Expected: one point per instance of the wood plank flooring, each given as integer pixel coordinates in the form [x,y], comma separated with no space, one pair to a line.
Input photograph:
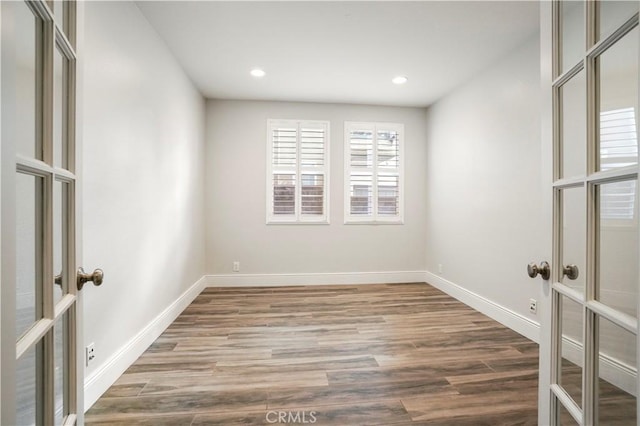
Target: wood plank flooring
[400,354]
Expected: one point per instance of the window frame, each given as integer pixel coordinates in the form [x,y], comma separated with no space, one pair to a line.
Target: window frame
[374,218]
[297,218]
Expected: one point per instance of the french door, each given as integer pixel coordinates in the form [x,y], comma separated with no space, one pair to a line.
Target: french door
[41,369]
[589,341]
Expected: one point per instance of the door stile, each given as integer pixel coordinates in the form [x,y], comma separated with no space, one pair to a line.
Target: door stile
[638,261]
[74,340]
[1,237]
[556,304]
[46,411]
[557,152]
[8,259]
[75,346]
[591,322]
[548,67]
[590,333]
[556,45]
[41,34]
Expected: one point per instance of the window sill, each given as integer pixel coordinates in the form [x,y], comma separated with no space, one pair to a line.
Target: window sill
[374,222]
[275,222]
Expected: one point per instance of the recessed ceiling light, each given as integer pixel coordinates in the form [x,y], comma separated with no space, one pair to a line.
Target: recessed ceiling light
[401,79]
[257,72]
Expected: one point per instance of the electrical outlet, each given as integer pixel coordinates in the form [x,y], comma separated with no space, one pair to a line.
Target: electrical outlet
[533,306]
[90,353]
[236,266]
[440,268]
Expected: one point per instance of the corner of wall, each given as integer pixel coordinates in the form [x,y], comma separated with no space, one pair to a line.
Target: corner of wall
[98,382]
[505,316]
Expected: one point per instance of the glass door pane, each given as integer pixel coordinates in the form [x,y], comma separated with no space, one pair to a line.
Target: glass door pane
[614,13]
[574,235]
[566,419]
[28,384]
[616,403]
[618,85]
[572,349]
[618,246]
[58,12]
[60,243]
[574,126]
[573,33]
[28,251]
[60,115]
[20,74]
[61,372]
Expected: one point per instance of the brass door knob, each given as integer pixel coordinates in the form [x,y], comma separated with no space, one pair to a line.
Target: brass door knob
[96,277]
[571,271]
[544,270]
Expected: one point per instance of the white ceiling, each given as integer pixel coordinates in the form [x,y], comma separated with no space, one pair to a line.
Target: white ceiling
[344,52]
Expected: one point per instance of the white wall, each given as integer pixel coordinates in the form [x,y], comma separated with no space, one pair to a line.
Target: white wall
[143,177]
[484,186]
[236,196]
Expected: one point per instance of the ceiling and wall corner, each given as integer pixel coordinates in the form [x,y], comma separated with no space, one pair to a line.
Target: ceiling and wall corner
[339,52]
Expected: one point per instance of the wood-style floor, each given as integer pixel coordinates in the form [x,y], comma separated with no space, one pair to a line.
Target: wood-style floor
[400,354]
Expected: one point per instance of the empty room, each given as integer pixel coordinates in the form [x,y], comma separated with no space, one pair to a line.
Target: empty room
[319,212]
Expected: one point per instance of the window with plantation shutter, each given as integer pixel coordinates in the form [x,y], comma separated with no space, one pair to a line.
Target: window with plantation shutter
[373,172]
[297,171]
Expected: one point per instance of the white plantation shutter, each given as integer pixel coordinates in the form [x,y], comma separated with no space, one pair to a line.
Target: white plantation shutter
[373,172]
[297,172]
[618,148]
[312,144]
[361,202]
[388,194]
[312,199]
[388,160]
[284,194]
[284,151]
[388,149]
[360,145]
[361,148]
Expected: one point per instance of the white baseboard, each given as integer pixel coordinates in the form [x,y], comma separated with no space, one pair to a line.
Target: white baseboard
[106,374]
[343,278]
[611,370]
[518,323]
